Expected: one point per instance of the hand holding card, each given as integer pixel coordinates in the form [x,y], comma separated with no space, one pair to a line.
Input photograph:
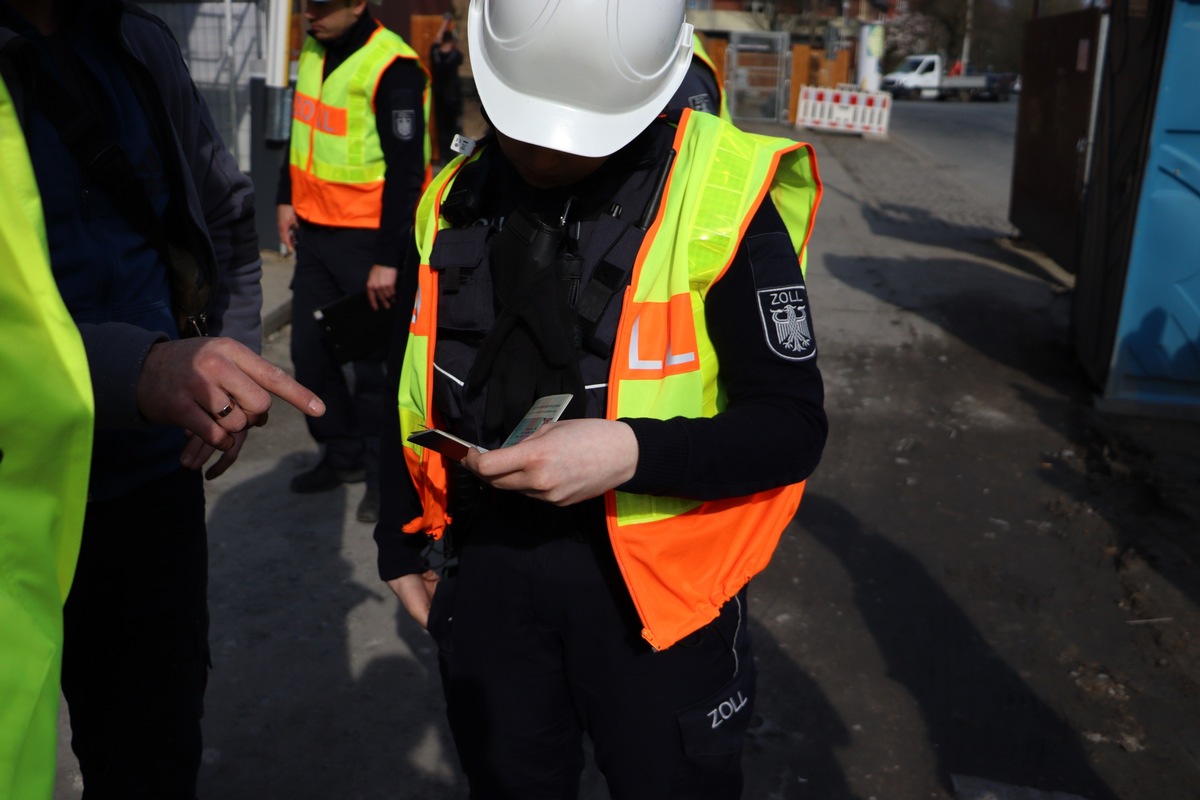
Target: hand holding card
[547,409]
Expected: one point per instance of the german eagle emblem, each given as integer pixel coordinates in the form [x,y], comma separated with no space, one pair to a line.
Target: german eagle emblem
[784,315]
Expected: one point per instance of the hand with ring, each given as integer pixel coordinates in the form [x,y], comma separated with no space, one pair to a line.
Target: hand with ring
[216,389]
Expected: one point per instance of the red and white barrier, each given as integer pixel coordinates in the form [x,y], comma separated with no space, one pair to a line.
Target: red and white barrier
[843,111]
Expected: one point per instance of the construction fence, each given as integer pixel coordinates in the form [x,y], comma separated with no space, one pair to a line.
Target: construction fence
[844,109]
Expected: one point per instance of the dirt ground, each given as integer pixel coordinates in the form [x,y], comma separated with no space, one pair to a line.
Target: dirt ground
[990,589]
[1001,581]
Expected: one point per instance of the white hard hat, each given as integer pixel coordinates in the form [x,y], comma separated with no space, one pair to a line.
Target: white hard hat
[580,76]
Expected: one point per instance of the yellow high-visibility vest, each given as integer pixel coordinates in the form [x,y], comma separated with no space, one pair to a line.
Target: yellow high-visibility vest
[46,417]
[681,559]
[336,158]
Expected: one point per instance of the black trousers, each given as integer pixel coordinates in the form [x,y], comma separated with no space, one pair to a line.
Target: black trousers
[539,643]
[135,653]
[330,264]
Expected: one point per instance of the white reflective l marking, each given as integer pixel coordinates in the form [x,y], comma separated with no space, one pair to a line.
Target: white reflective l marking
[637,362]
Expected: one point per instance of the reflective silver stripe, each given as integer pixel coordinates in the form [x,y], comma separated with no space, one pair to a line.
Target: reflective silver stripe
[736,666]
[448,375]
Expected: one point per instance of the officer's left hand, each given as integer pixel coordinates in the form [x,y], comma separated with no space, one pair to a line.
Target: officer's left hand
[381,287]
[197,452]
[563,463]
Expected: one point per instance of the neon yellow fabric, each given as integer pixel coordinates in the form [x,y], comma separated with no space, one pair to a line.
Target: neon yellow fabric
[46,443]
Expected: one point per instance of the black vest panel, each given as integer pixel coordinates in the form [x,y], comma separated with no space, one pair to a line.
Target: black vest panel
[606,245]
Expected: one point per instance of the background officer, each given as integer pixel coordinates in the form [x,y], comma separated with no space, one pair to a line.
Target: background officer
[357,161]
[444,60]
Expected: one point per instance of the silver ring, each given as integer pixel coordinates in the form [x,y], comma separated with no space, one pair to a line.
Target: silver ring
[224,412]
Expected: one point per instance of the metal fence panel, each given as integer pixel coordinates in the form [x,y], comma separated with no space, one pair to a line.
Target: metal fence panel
[223,44]
[758,70]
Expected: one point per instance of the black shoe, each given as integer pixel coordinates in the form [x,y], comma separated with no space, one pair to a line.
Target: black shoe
[368,507]
[323,477]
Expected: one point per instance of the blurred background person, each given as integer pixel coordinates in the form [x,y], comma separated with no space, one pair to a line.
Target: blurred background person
[357,161]
[701,89]
[444,60]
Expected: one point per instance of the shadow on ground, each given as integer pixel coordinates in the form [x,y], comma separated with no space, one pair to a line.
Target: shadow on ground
[333,719]
[982,719]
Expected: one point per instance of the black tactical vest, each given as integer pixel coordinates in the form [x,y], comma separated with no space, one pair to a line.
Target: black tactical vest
[592,268]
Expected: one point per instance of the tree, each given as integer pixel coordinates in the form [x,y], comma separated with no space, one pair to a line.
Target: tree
[938,26]
[908,32]
[794,15]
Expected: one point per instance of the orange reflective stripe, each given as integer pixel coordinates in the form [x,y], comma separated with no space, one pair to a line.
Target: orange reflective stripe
[323,117]
[304,108]
[660,342]
[331,120]
[424,316]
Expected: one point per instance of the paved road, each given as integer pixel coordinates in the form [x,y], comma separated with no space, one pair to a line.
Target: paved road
[973,587]
[970,142]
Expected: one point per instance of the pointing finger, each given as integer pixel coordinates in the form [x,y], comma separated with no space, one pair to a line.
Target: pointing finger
[279,383]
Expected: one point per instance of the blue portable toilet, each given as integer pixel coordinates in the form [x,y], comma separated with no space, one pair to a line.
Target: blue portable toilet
[1155,363]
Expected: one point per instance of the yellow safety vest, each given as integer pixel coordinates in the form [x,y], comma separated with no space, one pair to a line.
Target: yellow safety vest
[681,559]
[45,453]
[336,159]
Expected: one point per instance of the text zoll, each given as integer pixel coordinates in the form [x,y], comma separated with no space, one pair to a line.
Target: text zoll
[727,709]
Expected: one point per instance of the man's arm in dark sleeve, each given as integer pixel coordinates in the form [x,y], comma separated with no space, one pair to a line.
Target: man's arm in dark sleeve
[773,429]
[115,353]
[400,119]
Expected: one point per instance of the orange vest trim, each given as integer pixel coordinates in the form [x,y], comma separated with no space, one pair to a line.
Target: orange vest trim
[340,205]
[680,571]
[428,471]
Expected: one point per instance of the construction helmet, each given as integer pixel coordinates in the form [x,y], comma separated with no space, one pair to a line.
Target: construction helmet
[579,76]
